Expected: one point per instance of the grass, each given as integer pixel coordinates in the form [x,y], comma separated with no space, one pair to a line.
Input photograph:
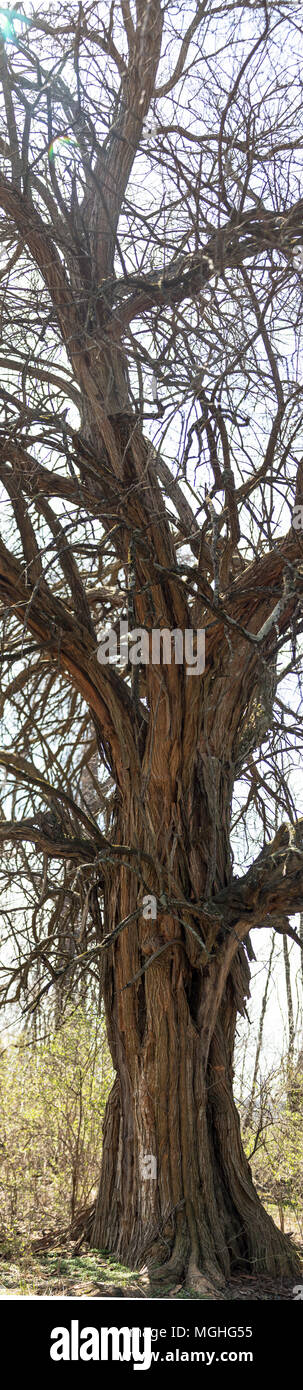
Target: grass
[57,1272]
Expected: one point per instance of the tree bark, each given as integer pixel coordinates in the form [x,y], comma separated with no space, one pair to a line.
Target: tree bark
[176,1189]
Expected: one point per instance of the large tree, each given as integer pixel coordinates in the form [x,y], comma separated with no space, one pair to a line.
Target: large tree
[151,279]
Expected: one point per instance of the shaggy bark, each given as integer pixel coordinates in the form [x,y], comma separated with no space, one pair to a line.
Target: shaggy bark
[176,1189]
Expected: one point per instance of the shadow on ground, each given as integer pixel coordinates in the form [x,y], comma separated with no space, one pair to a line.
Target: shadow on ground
[59,1272]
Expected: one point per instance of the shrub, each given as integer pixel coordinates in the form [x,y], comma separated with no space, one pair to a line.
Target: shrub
[52,1099]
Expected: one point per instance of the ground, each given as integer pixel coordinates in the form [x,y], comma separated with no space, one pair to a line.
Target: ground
[60,1273]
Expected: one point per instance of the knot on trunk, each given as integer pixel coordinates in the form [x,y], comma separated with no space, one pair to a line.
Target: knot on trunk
[151,944]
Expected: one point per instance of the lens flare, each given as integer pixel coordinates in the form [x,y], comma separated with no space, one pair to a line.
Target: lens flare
[7,20]
[62,144]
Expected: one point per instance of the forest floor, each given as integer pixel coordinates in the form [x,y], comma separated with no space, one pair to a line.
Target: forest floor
[57,1272]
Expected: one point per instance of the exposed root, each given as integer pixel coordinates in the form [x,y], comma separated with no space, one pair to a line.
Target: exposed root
[208,1282]
[171,1271]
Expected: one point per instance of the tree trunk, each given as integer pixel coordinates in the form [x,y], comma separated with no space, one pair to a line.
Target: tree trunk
[176,1189]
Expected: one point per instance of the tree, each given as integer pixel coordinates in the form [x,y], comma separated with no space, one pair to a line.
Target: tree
[252,1095]
[152,421]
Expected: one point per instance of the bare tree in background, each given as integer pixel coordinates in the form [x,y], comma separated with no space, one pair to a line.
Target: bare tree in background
[151,287]
[252,1095]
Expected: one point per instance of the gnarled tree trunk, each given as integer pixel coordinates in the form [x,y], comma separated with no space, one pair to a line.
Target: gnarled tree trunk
[176,1188]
